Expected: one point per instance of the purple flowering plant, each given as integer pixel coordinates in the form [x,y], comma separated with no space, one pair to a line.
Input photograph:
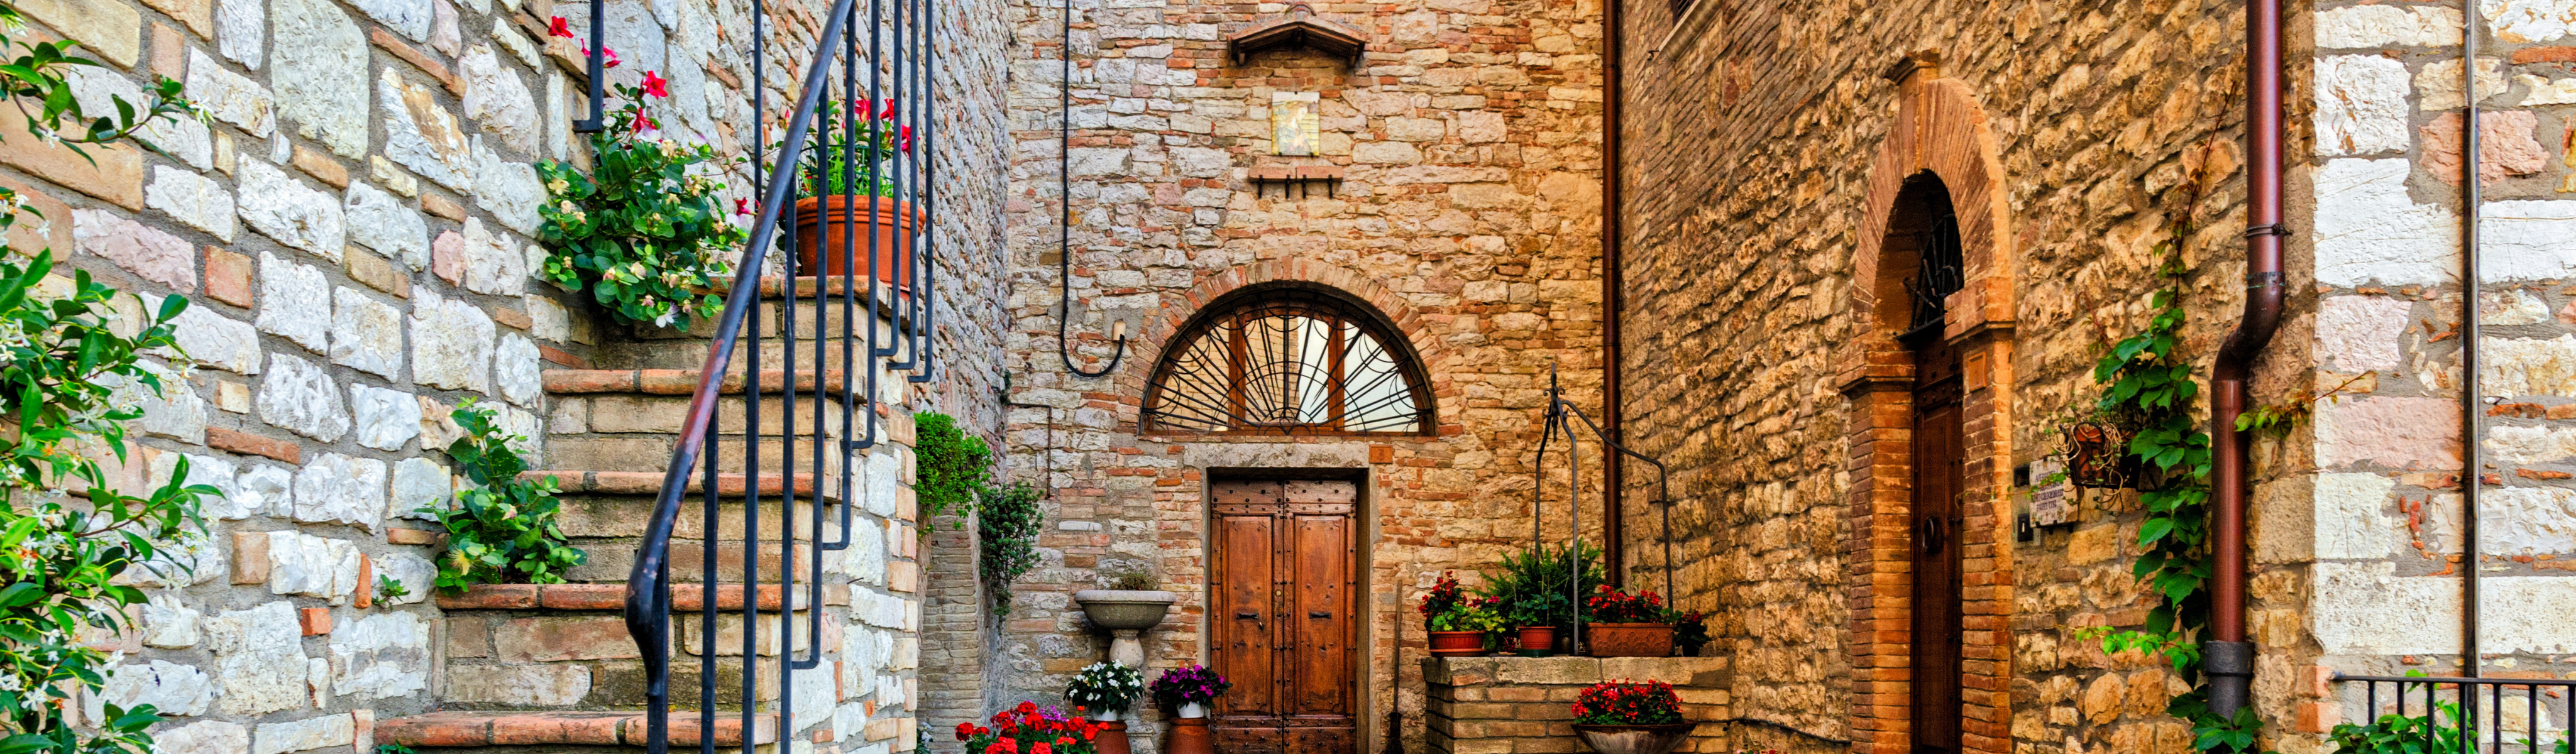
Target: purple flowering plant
[1188,684]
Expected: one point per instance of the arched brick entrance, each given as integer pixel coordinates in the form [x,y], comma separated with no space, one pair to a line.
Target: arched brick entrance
[1940,133]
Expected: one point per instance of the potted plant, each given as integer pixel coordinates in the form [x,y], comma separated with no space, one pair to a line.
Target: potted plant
[644,233]
[1690,632]
[1618,717]
[1538,588]
[840,200]
[1458,623]
[1031,729]
[1105,689]
[1620,625]
[1188,690]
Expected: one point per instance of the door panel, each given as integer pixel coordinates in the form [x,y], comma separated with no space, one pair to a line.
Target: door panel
[1286,562]
[1939,479]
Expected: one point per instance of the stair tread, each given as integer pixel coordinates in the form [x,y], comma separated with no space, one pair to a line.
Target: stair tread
[674,381]
[576,481]
[685,597]
[515,728]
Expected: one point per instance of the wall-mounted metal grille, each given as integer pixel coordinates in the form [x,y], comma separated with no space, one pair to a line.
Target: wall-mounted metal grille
[1287,361]
[1941,275]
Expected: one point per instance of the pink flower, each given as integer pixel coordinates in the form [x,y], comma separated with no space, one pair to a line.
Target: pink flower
[743,207]
[642,123]
[906,138]
[559,28]
[655,85]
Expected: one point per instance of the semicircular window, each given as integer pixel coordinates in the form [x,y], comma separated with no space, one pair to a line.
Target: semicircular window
[1287,361]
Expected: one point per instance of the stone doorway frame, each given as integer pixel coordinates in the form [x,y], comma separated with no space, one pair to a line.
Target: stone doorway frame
[1941,129]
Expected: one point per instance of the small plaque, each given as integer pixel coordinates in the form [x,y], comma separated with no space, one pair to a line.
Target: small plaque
[2052,496]
[1295,125]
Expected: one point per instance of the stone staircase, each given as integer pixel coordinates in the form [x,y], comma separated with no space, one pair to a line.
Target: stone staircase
[551,668]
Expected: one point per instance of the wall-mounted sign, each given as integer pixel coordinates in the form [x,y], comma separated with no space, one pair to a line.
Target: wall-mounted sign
[2052,495]
[1296,128]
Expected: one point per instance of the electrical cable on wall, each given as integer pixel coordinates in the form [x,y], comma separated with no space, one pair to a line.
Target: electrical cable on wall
[1064,217]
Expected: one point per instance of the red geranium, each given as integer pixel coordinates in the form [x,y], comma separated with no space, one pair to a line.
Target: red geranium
[1624,703]
[655,85]
[1614,606]
[1027,728]
[557,27]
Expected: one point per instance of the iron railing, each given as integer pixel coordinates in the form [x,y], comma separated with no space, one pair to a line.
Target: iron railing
[2464,715]
[872,67]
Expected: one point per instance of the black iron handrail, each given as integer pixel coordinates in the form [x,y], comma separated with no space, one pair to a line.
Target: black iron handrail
[2452,714]
[902,174]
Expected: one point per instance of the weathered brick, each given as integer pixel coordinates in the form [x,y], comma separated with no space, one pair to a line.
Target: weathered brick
[250,444]
[250,557]
[553,639]
[314,621]
[116,175]
[321,166]
[491,597]
[228,277]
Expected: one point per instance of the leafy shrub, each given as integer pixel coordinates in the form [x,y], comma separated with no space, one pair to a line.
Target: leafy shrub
[1007,522]
[875,142]
[501,531]
[1448,608]
[66,365]
[1623,703]
[1533,584]
[950,467]
[1189,684]
[1133,581]
[645,236]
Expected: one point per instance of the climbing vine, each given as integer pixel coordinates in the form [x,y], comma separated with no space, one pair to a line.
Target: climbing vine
[2147,387]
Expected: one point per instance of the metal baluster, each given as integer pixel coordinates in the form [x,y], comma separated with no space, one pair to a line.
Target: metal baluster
[927,167]
[708,537]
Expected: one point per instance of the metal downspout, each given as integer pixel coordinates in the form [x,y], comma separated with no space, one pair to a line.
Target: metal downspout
[1613,521]
[2472,475]
[2228,659]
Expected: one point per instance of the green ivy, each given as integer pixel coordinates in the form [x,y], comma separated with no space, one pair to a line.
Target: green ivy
[952,467]
[1007,522]
[646,237]
[502,530]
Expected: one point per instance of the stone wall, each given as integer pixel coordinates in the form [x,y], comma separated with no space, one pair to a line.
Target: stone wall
[353,224]
[1752,128]
[2380,518]
[1467,140]
[1525,705]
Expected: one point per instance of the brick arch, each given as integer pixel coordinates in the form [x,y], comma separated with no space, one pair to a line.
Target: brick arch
[1146,351]
[1939,129]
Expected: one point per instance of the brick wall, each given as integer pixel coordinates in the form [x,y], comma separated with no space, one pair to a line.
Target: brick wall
[1525,705]
[1469,141]
[1752,135]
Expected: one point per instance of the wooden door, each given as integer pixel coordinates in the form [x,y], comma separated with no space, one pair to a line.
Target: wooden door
[1284,583]
[1939,475]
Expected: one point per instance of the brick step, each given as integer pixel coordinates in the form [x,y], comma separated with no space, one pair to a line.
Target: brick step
[621,414]
[572,481]
[509,728]
[681,382]
[586,516]
[691,354]
[612,558]
[652,452]
[686,598]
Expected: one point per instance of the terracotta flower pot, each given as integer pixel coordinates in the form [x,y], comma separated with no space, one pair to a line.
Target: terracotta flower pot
[1537,641]
[1628,639]
[1633,739]
[1190,735]
[1112,739]
[835,228]
[1457,643]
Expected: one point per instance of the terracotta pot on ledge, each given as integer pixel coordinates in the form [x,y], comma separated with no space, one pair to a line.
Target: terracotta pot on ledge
[834,231]
[1628,639]
[1457,643]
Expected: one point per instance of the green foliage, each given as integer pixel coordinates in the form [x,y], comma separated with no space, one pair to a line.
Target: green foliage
[502,530]
[387,589]
[1008,521]
[1105,686]
[951,467]
[1532,584]
[2402,734]
[70,365]
[394,749]
[874,140]
[645,236]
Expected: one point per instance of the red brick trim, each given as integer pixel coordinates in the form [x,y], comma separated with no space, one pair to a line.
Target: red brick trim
[1939,128]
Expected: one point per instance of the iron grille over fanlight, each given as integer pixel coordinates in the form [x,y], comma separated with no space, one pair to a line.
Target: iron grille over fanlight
[1287,361]
[1941,274]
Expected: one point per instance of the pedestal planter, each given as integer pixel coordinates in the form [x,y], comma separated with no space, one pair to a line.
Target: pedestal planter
[1126,614]
[1190,735]
[1628,639]
[834,231]
[1633,739]
[1457,643]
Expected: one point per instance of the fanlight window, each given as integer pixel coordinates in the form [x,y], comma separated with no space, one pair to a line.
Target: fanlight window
[1287,362]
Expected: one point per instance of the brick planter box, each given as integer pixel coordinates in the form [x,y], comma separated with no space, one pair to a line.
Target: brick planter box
[1513,705]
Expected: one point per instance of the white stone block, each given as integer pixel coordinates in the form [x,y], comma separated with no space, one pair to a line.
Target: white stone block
[2523,240]
[230,97]
[301,735]
[420,134]
[2368,229]
[299,397]
[311,566]
[2528,21]
[417,575]
[168,624]
[196,200]
[266,489]
[281,207]
[322,87]
[259,658]
[517,367]
[171,688]
[2377,26]
[208,737]
[498,99]
[217,341]
[339,489]
[241,31]
[451,343]
[365,333]
[379,221]
[386,419]
[383,655]
[2350,516]
[419,483]
[509,190]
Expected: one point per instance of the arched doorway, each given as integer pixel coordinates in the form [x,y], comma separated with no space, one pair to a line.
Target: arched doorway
[1924,227]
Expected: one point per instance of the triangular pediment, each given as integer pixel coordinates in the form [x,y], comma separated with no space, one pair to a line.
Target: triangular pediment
[1298,31]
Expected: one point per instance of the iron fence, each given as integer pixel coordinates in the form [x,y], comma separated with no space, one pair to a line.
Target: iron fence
[2436,715]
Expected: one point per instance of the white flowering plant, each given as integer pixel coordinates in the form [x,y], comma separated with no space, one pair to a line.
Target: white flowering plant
[1105,686]
[74,542]
[645,235]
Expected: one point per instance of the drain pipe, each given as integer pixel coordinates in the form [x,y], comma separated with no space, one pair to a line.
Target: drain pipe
[2472,475]
[1613,469]
[2227,658]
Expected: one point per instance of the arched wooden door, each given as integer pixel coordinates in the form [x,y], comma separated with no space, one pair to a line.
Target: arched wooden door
[1939,473]
[1284,589]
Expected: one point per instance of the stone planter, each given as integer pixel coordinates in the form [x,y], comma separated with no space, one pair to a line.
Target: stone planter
[1633,739]
[1126,614]
[1628,639]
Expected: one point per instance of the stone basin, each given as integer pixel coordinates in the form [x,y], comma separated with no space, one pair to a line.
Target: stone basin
[1124,610]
